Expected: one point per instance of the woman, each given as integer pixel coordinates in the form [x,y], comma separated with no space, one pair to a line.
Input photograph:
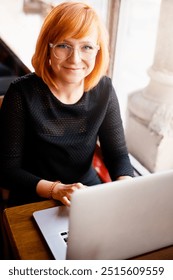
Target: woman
[51,119]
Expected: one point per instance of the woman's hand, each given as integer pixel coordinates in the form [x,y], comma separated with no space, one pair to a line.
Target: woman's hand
[64,192]
[124,178]
[57,190]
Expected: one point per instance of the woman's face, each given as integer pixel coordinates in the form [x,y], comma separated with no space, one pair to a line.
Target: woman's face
[73,59]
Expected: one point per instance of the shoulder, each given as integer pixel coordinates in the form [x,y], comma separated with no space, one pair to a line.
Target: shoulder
[26,79]
[23,88]
[104,90]
[26,85]
[105,82]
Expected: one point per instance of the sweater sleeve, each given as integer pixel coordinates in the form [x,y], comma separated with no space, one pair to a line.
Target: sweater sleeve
[13,133]
[112,138]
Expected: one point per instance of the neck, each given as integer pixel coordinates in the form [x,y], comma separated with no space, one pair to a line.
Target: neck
[69,93]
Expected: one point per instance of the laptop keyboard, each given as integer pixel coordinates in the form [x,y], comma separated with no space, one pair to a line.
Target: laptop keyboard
[64,235]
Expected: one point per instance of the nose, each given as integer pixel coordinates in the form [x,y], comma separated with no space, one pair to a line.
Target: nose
[75,56]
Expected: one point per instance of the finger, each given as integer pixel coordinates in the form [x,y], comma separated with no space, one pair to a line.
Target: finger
[80,186]
[69,190]
[65,201]
[68,195]
[66,189]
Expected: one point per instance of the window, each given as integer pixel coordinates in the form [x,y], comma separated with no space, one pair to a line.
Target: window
[135,46]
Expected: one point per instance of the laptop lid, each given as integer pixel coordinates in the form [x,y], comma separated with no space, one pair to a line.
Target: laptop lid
[123,219]
[116,220]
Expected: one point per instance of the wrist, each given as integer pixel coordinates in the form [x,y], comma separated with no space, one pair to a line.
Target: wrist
[51,189]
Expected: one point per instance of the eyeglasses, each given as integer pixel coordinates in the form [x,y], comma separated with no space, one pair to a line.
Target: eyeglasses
[63,50]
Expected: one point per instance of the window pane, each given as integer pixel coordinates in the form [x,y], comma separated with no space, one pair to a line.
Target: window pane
[137,31]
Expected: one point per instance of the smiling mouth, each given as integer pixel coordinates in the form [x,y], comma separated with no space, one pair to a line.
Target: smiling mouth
[73,69]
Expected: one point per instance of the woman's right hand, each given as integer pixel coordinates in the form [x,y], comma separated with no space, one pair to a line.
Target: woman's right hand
[64,192]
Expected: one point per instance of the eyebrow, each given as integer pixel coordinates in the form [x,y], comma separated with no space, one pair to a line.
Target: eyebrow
[83,42]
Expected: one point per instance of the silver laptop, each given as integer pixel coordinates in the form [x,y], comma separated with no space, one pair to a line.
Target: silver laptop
[117,220]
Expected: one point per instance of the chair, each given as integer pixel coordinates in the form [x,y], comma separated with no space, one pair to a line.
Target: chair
[1,99]
[100,166]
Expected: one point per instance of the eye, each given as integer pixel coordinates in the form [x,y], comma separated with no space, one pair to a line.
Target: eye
[62,46]
[87,48]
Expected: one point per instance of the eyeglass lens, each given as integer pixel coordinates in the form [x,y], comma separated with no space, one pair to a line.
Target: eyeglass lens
[63,51]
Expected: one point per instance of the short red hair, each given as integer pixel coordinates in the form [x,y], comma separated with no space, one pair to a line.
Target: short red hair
[71,20]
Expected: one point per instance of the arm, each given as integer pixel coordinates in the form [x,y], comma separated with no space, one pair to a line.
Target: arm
[14,175]
[112,140]
[13,132]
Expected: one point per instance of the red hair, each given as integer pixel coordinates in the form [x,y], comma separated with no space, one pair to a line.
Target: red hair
[71,20]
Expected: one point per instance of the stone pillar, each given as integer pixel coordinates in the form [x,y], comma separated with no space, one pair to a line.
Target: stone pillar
[149,125]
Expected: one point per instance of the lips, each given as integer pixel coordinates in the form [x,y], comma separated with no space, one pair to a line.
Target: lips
[73,69]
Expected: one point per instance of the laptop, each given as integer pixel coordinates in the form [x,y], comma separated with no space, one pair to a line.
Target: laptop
[116,220]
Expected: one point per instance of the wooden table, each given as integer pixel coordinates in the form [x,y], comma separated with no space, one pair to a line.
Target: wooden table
[28,243]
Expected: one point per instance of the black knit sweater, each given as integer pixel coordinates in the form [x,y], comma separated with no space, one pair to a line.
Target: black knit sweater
[42,138]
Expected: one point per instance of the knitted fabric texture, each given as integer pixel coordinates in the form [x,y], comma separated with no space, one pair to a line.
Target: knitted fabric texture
[42,138]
